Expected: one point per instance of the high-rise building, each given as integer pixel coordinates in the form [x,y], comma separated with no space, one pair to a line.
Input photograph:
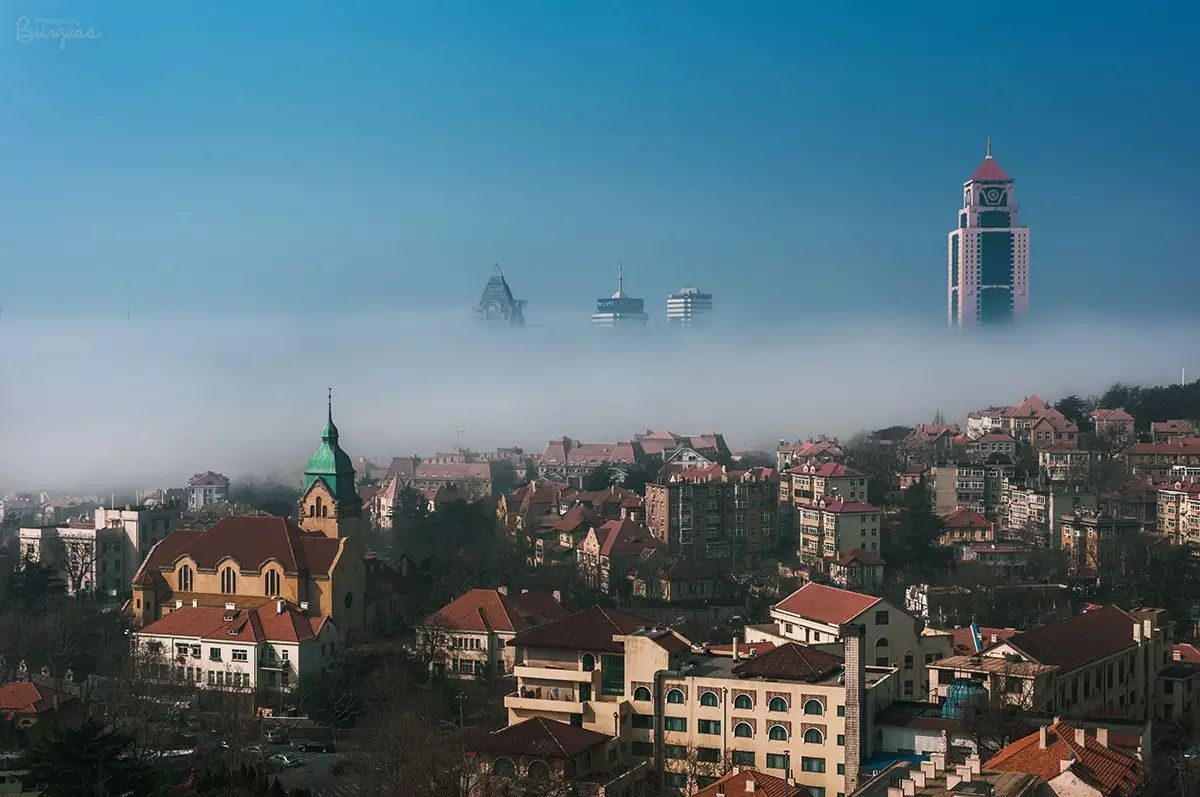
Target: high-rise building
[497,302]
[688,307]
[988,263]
[620,310]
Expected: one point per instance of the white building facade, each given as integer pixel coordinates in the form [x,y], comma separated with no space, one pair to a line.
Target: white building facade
[688,307]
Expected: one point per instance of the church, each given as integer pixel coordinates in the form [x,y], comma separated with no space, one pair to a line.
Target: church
[316,564]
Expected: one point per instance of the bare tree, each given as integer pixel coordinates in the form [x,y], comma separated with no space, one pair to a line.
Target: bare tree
[77,559]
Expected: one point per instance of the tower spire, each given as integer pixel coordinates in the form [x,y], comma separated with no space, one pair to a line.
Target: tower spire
[988,151]
[620,276]
[330,431]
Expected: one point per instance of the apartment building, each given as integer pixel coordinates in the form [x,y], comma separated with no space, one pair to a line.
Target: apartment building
[831,525]
[1104,662]
[1158,461]
[205,489]
[472,635]
[812,451]
[85,558]
[809,482]
[991,443]
[793,710]
[568,460]
[1035,514]
[1094,542]
[268,646]
[714,512]
[815,615]
[1066,463]
[1179,511]
[974,486]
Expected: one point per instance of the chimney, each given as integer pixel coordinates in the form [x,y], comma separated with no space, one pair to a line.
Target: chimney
[735,649]
[750,784]
[854,637]
[928,769]
[1065,764]
[1042,737]
[279,607]
[1137,631]
[523,590]
[178,604]
[939,761]
[1081,737]
[195,603]
[909,788]
[973,763]
[952,781]
[502,590]
[557,596]
[1102,736]
[918,779]
[303,606]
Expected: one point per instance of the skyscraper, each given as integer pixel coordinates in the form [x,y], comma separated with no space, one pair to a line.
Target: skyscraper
[988,263]
[497,302]
[620,310]
[687,307]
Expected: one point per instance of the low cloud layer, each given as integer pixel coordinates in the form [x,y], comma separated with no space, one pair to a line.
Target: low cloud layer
[147,401]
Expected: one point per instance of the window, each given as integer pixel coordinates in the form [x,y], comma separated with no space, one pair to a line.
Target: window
[743,730]
[675,696]
[881,617]
[841,769]
[709,726]
[643,720]
[240,655]
[708,754]
[643,748]
[589,663]
[612,674]
[538,770]
[677,779]
[641,693]
[743,702]
[185,578]
[743,758]
[214,654]
[881,652]
[709,699]
[813,707]
[675,723]
[776,761]
[504,768]
[228,580]
[812,764]
[778,733]
[813,736]
[272,583]
[841,740]
[777,704]
[676,752]
[908,660]
[841,711]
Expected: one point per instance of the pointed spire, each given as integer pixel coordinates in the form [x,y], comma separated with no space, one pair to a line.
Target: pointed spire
[330,431]
[988,151]
[620,276]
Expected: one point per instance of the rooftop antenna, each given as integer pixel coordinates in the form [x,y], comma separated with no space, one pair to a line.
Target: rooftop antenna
[620,276]
[988,152]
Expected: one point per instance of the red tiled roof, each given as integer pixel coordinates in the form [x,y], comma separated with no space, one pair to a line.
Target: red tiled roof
[1185,652]
[738,783]
[1181,445]
[491,610]
[1031,407]
[963,644]
[263,623]
[963,518]
[624,537]
[827,604]
[995,437]
[790,661]
[744,648]
[1057,421]
[470,471]
[989,170]
[591,629]
[1116,773]
[1117,414]
[860,556]
[1172,427]
[26,697]
[1078,640]
[251,542]
[826,470]
[208,479]
[840,506]
[539,737]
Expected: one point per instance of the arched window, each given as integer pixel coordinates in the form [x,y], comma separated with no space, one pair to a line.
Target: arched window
[744,702]
[743,730]
[185,578]
[881,652]
[709,699]
[641,693]
[349,599]
[814,736]
[324,511]
[272,583]
[320,507]
[908,659]
[589,662]
[538,770]
[228,580]
[504,768]
[675,696]
[777,704]
[778,733]
[312,510]
[813,707]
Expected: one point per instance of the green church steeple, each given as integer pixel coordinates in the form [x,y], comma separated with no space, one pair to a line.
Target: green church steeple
[330,463]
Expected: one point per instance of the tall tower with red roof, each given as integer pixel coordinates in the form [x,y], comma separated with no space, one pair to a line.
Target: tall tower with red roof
[988,263]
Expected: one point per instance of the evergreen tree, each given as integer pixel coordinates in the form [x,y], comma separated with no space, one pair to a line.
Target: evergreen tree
[88,761]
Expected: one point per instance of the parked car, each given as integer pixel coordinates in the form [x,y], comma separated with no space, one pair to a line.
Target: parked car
[276,735]
[313,746]
[286,760]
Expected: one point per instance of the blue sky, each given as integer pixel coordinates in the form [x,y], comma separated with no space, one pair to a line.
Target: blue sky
[793,158]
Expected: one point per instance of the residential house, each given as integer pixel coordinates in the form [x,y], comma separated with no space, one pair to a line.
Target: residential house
[966,525]
[571,461]
[740,782]
[1168,431]
[85,558]
[929,442]
[815,613]
[991,443]
[1158,461]
[677,579]
[1113,424]
[1005,604]
[912,475]
[267,646]
[1006,562]
[669,446]
[812,451]
[1104,662]
[608,551]
[714,512]
[832,524]
[982,422]
[1034,514]
[472,635]
[1066,462]
[31,710]
[1072,762]
[1178,691]
[857,570]
[1095,544]
[205,489]
[1179,511]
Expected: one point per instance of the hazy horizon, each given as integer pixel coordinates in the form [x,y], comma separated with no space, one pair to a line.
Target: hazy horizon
[146,402]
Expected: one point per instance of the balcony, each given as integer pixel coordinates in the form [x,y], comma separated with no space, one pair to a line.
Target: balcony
[525,672]
[553,699]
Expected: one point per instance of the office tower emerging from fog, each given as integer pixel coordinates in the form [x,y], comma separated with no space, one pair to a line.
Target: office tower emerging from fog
[688,307]
[988,267]
[620,310]
[497,302]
